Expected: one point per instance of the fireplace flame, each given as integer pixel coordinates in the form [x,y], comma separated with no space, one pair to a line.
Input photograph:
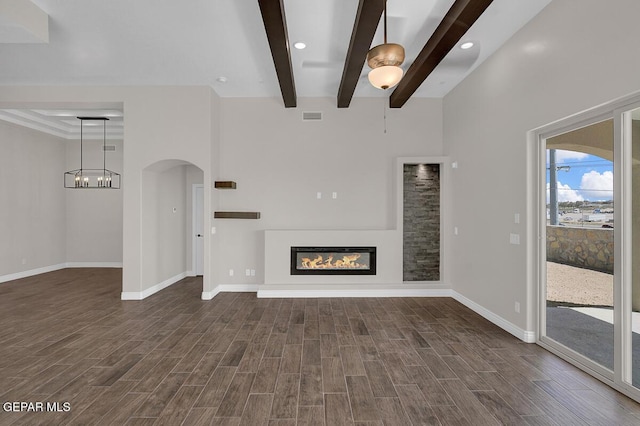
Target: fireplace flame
[348,261]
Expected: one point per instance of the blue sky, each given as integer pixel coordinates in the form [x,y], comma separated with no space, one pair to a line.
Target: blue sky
[588,178]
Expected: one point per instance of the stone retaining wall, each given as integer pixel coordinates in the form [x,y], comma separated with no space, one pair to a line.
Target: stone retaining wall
[589,248]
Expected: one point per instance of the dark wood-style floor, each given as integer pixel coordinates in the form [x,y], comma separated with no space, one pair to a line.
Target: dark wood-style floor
[237,360]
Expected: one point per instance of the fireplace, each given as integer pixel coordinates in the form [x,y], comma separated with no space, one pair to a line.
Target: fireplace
[333,260]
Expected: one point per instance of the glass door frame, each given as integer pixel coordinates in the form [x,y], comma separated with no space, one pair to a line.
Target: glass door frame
[620,111]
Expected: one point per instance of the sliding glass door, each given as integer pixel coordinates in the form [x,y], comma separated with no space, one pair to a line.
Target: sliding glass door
[580,242]
[631,192]
[589,251]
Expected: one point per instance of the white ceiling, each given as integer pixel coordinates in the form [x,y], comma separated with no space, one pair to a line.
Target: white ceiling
[196,42]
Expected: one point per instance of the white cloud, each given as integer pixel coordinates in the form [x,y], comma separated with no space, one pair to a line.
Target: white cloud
[597,186]
[564,156]
[565,193]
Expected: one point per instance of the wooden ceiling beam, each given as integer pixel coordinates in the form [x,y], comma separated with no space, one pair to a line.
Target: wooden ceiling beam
[364,28]
[275,25]
[454,25]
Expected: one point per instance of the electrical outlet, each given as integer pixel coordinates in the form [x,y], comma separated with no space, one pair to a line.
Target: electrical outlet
[334,195]
[517,307]
[253,272]
[455,230]
[516,218]
[230,272]
[514,239]
[318,195]
[247,272]
[24,261]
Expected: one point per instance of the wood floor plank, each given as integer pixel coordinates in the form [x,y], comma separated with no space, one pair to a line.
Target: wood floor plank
[215,389]
[361,399]
[234,399]
[311,386]
[329,347]
[291,359]
[177,410]
[351,361]
[265,380]
[285,399]
[157,400]
[311,416]
[257,409]
[238,360]
[379,380]
[391,412]
[337,411]
[416,406]
[333,376]
[311,354]
[468,404]
[204,370]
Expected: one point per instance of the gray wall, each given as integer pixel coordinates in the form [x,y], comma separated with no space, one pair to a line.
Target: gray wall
[32,213]
[44,225]
[94,216]
[569,58]
[280,163]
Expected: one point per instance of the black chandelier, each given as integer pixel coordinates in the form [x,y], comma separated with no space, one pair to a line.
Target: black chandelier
[92,178]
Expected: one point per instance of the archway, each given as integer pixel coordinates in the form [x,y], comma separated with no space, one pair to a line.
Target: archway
[166,226]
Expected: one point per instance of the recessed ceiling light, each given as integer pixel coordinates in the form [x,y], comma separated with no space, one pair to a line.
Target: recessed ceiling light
[466,45]
[221,79]
[299,45]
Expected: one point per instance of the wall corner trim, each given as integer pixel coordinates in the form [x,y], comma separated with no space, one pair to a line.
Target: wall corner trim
[526,336]
[208,295]
[139,295]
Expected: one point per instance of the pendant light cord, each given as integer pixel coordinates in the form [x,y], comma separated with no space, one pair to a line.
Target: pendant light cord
[385,21]
[384,114]
[81,131]
[104,147]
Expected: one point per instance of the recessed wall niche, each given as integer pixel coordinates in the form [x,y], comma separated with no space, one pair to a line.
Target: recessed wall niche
[421,222]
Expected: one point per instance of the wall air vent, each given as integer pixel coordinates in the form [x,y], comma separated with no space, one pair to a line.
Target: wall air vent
[311,116]
[109,147]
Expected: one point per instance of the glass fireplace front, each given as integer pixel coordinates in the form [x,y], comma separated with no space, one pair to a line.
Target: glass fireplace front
[333,260]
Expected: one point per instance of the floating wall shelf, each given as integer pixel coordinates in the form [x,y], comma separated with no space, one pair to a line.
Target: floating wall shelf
[224,184]
[236,215]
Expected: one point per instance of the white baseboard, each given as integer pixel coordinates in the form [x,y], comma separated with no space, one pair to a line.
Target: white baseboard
[285,291]
[208,295]
[32,272]
[94,264]
[51,268]
[526,336]
[139,295]
[238,288]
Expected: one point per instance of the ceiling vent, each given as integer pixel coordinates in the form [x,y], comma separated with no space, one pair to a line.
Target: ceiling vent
[311,116]
[109,147]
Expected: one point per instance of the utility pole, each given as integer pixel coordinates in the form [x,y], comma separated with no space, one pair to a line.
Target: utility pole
[553,188]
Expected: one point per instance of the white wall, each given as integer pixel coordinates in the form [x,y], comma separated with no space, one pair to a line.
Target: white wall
[160,123]
[94,216]
[280,163]
[569,58]
[32,198]
[164,228]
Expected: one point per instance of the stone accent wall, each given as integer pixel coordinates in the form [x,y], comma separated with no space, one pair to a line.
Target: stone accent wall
[421,236]
[588,248]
